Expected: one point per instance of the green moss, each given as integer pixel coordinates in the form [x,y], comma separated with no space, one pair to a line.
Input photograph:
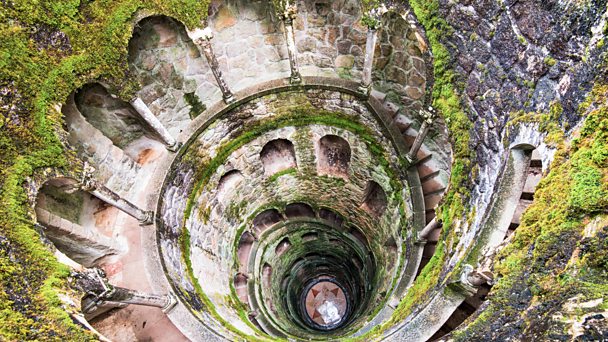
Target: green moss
[589,192]
[40,73]
[550,61]
[345,73]
[282,173]
[196,106]
[366,19]
[522,40]
[541,256]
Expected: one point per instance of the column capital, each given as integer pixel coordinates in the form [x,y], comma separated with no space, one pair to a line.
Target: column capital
[463,285]
[372,18]
[171,302]
[290,13]
[428,115]
[88,182]
[471,279]
[201,36]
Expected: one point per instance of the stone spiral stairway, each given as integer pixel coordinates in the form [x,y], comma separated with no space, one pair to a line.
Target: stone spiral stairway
[189,79]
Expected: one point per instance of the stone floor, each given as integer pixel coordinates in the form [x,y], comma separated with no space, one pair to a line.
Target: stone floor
[326,303]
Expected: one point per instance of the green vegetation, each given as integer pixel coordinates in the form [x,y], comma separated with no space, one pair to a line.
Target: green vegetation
[282,173]
[36,72]
[550,61]
[196,106]
[542,255]
[367,19]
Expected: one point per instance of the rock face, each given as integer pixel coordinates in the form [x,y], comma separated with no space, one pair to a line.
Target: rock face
[522,55]
[513,57]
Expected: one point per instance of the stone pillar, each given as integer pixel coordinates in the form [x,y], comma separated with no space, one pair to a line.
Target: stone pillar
[127,296]
[427,120]
[110,197]
[424,233]
[202,39]
[152,120]
[370,49]
[288,16]
[100,295]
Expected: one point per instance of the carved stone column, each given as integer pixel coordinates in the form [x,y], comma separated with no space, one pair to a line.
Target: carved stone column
[288,16]
[146,114]
[424,233]
[372,18]
[370,49]
[427,120]
[101,296]
[110,197]
[202,39]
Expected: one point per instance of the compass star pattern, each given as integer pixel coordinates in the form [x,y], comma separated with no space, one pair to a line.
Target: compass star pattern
[325,303]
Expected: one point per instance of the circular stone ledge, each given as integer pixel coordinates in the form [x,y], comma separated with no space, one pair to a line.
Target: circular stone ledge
[380,126]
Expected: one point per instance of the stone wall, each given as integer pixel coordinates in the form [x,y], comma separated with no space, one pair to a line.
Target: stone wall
[214,225]
[168,65]
[249,42]
[400,69]
[330,38]
[511,58]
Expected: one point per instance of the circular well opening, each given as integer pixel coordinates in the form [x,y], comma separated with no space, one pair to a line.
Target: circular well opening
[325,304]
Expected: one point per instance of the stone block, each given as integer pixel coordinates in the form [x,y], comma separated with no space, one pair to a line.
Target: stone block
[224,18]
[345,61]
[414,93]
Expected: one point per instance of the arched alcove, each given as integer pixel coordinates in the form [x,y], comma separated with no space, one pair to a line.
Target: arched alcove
[240,286]
[110,117]
[70,218]
[333,156]
[513,195]
[514,192]
[265,220]
[282,246]
[310,236]
[299,210]
[375,200]
[329,215]
[267,275]
[228,183]
[278,155]
[244,250]
[176,79]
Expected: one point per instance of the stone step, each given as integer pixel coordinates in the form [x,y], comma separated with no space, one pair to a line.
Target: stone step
[400,121]
[536,161]
[521,207]
[434,235]
[534,176]
[431,201]
[437,191]
[428,176]
[431,187]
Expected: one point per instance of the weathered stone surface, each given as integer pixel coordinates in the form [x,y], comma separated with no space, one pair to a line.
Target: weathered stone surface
[345,61]
[225,18]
